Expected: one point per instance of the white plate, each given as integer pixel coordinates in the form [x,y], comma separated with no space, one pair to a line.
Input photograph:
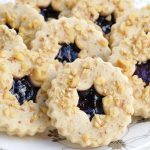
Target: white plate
[137,136]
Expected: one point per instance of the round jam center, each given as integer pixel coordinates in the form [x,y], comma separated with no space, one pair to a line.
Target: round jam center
[49,12]
[143,71]
[106,22]
[90,101]
[68,53]
[24,90]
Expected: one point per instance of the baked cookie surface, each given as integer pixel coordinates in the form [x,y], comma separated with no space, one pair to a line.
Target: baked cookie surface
[51,8]
[9,40]
[22,72]
[129,25]
[23,18]
[20,111]
[131,52]
[69,38]
[85,100]
[104,13]
[35,3]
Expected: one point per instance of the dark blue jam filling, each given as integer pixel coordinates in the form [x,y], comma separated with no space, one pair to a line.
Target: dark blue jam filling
[24,90]
[105,24]
[143,71]
[68,53]
[49,12]
[90,101]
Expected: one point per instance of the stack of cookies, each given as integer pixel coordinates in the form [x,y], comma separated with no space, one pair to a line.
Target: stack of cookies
[81,67]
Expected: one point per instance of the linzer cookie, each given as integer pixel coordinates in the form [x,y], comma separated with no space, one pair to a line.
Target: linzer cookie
[23,18]
[20,111]
[131,52]
[69,38]
[104,13]
[22,72]
[51,8]
[90,102]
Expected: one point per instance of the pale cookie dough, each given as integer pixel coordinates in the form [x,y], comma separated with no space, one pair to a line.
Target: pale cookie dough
[28,62]
[129,25]
[21,59]
[22,72]
[35,3]
[116,98]
[9,40]
[102,12]
[23,18]
[18,117]
[56,35]
[13,49]
[62,7]
[131,52]
[44,69]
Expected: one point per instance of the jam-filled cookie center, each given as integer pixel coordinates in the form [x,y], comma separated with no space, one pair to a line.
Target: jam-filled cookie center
[68,53]
[49,12]
[106,22]
[143,71]
[24,90]
[90,101]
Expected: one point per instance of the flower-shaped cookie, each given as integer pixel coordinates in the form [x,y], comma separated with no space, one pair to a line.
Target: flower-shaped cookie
[90,102]
[131,52]
[102,12]
[23,18]
[22,72]
[69,38]
[51,8]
